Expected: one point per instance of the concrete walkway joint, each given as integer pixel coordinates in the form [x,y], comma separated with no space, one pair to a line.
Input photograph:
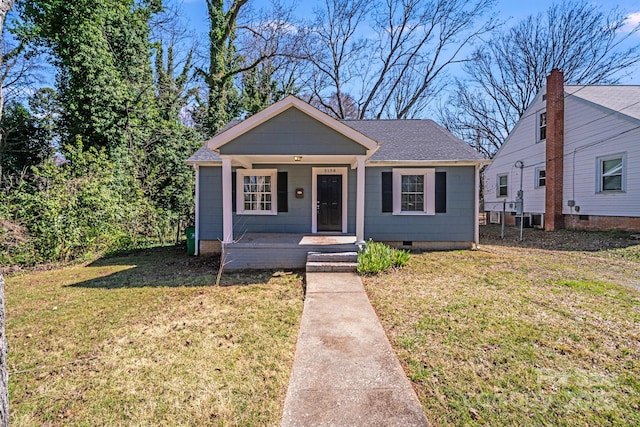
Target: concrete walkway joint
[345,372]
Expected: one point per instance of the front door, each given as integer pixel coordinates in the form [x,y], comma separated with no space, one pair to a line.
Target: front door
[329,202]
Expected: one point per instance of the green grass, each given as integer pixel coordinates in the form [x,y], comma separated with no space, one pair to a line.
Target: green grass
[146,339]
[518,335]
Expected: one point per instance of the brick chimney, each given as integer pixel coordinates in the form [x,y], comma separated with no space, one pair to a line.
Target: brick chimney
[553,218]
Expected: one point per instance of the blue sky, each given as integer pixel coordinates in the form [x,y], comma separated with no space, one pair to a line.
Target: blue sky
[194,12]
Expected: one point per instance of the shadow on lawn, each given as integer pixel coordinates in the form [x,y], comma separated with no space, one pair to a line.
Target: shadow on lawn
[561,240]
[166,266]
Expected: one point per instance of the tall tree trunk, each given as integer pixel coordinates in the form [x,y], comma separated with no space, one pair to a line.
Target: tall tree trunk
[5,7]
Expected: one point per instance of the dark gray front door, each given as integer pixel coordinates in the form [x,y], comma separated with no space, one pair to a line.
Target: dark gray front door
[329,202]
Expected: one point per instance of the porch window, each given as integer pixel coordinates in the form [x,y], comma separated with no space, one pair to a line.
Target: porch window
[257,191]
[611,173]
[414,191]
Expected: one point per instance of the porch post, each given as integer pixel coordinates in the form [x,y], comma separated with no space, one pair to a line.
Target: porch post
[227,216]
[476,209]
[360,200]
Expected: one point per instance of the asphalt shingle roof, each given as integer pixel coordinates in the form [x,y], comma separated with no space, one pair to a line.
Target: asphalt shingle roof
[204,155]
[400,140]
[411,140]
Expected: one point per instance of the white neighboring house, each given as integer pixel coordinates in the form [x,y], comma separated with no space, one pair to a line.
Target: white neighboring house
[580,146]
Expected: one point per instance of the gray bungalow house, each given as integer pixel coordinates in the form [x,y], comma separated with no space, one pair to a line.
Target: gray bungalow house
[292,176]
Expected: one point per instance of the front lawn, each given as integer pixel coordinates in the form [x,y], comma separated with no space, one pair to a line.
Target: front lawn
[146,340]
[543,332]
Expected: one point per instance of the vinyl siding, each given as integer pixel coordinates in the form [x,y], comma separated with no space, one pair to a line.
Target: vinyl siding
[522,145]
[456,225]
[292,132]
[590,132]
[296,220]
[210,203]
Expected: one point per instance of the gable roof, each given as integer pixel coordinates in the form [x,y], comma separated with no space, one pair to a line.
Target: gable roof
[414,140]
[232,132]
[621,99]
[393,140]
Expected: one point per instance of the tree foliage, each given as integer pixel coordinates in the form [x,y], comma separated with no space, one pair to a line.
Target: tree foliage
[585,42]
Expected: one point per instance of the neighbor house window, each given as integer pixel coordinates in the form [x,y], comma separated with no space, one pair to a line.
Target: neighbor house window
[257,191]
[503,185]
[542,126]
[541,177]
[414,191]
[611,173]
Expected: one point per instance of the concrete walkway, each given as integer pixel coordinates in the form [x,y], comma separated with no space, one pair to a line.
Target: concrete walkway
[345,372]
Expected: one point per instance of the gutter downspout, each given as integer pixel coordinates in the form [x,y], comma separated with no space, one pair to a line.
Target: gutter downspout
[476,209]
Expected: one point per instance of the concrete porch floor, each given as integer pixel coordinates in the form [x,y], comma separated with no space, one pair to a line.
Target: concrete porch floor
[295,239]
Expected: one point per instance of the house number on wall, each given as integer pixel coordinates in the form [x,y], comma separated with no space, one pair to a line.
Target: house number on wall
[329,171]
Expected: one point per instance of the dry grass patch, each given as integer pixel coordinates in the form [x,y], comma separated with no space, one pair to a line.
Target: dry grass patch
[516,334]
[147,340]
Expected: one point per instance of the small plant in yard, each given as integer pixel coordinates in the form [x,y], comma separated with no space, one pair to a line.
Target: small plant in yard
[378,257]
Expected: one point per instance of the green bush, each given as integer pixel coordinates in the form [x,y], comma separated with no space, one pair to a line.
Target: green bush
[378,257]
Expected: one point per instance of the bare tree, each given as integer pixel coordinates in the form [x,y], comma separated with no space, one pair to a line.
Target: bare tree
[394,67]
[5,7]
[586,43]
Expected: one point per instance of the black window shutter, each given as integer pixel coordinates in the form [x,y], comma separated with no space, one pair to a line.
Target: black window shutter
[283,194]
[387,192]
[441,192]
[233,192]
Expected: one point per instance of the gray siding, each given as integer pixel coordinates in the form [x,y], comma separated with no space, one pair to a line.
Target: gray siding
[292,132]
[210,203]
[456,225]
[296,220]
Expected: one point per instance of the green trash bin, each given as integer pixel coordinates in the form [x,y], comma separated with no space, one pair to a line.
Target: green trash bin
[190,232]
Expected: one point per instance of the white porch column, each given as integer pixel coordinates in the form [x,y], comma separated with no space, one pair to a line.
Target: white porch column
[360,192]
[227,215]
[476,209]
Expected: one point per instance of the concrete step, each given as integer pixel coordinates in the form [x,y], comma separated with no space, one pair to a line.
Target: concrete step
[332,257]
[335,267]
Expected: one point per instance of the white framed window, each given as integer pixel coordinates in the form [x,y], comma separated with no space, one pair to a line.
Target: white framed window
[494,217]
[542,126]
[414,191]
[256,191]
[541,178]
[611,173]
[502,187]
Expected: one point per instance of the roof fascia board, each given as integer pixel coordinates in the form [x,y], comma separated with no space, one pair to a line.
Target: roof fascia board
[422,163]
[204,162]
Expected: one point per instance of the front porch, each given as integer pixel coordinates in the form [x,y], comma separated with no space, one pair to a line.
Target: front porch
[281,250]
